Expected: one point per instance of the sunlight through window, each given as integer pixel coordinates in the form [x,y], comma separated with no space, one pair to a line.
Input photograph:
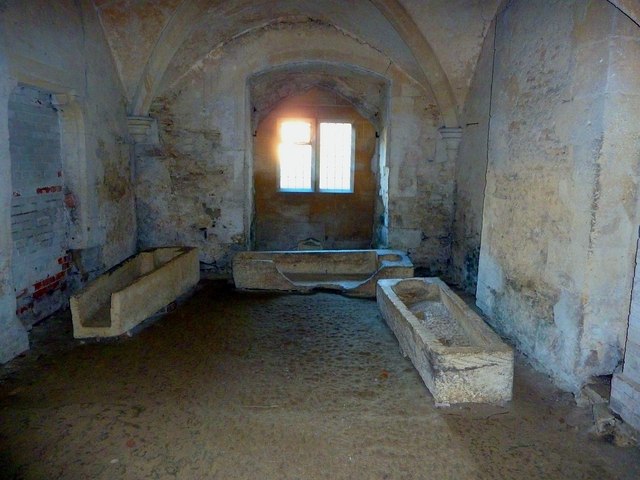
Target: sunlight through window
[307,165]
[335,157]
[295,153]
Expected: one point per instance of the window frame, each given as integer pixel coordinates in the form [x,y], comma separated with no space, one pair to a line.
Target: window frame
[315,154]
[312,143]
[352,166]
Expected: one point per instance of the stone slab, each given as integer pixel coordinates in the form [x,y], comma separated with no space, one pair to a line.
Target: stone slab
[459,358]
[129,293]
[352,272]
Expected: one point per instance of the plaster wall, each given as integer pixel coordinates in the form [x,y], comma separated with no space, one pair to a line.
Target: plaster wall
[625,386]
[196,188]
[560,213]
[63,51]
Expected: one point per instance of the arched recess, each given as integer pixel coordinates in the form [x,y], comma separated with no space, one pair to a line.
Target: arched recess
[192,12]
[14,339]
[366,92]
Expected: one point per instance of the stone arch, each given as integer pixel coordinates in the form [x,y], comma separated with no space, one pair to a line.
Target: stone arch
[347,81]
[295,78]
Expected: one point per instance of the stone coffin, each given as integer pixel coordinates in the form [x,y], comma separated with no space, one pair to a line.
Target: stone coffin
[458,356]
[352,272]
[129,293]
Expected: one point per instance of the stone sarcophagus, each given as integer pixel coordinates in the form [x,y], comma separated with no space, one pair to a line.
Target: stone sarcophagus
[129,293]
[352,272]
[458,356]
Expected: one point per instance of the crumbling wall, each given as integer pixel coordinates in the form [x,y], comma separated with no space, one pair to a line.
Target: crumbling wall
[560,211]
[196,188]
[59,47]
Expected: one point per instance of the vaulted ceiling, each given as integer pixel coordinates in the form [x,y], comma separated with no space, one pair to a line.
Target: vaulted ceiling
[437,42]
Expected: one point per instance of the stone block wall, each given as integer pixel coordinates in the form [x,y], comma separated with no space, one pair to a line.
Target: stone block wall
[560,209]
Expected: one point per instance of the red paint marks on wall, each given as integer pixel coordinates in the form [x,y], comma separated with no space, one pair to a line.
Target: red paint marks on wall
[44,287]
[53,282]
[24,309]
[65,262]
[49,286]
[51,189]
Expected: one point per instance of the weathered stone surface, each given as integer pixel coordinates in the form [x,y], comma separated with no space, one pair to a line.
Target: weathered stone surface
[120,299]
[458,356]
[560,210]
[352,272]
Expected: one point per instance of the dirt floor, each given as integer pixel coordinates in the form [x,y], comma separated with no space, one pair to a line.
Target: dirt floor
[264,386]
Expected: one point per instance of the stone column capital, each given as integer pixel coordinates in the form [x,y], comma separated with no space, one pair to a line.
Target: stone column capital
[452,138]
[140,128]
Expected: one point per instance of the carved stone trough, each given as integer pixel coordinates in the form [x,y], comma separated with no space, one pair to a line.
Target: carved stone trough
[352,272]
[129,293]
[458,356]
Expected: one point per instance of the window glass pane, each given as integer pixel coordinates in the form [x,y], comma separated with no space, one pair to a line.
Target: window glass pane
[335,156]
[295,131]
[295,166]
